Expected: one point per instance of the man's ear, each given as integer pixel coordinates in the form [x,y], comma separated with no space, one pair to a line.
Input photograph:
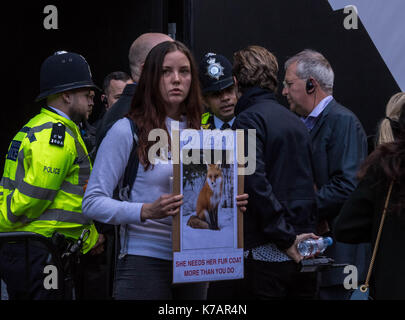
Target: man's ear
[237,91]
[104,100]
[66,97]
[235,81]
[311,85]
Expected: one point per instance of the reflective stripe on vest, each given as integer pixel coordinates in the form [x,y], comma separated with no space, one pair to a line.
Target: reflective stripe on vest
[37,192]
[48,215]
[41,193]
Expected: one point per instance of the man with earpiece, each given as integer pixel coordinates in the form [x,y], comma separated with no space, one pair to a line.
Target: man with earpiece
[339,146]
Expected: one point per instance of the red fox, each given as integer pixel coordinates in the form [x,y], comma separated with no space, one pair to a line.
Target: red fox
[208,200]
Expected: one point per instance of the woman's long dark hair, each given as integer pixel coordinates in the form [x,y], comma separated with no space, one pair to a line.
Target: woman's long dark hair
[388,160]
[148,107]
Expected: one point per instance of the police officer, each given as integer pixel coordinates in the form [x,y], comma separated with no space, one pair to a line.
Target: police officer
[219,94]
[46,169]
[218,89]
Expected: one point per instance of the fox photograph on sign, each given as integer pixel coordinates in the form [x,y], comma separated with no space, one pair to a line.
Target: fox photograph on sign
[207,236]
[209,208]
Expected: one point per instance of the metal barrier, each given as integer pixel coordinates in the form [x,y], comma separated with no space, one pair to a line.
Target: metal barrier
[26,238]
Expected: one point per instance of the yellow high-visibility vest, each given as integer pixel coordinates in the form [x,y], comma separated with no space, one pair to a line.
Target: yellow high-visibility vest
[204,120]
[45,173]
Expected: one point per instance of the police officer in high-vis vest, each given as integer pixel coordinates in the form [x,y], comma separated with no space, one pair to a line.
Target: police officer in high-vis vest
[218,89]
[46,170]
[219,95]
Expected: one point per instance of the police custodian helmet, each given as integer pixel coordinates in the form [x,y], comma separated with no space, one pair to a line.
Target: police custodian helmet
[64,71]
[215,73]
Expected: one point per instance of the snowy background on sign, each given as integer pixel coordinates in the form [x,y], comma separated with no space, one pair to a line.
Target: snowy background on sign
[193,180]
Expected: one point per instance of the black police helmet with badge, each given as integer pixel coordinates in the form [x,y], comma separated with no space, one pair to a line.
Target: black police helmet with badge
[64,71]
[215,73]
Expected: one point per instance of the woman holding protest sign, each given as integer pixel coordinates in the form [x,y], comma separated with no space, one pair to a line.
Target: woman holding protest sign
[168,92]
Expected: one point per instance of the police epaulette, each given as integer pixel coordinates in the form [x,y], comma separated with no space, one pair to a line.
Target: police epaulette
[58,134]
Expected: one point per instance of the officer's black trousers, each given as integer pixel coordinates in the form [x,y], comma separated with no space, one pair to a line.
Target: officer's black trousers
[28,284]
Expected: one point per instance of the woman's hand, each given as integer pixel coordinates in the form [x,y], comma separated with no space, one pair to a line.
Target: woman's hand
[99,246]
[242,201]
[166,205]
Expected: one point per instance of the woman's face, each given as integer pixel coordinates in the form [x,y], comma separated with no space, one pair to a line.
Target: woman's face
[176,79]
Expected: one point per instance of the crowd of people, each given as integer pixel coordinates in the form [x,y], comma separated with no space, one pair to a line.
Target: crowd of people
[314,177]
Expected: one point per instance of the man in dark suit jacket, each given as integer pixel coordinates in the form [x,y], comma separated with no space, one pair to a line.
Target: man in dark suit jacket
[339,146]
[282,207]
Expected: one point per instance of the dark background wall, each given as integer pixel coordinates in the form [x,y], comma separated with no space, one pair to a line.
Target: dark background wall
[363,83]
[103,32]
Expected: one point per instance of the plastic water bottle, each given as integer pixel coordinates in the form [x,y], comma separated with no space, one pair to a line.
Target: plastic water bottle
[311,246]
